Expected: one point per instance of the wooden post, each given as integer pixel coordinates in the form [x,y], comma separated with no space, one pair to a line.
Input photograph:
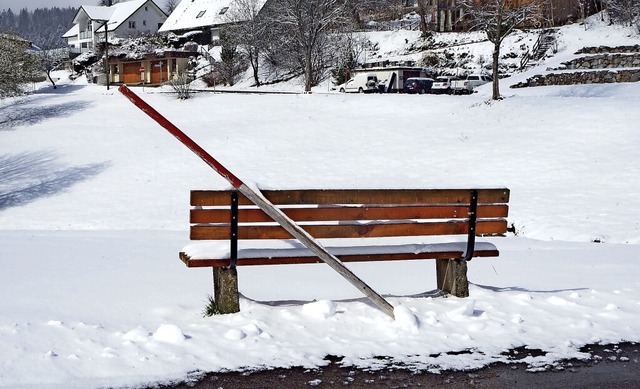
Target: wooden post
[225,289]
[451,277]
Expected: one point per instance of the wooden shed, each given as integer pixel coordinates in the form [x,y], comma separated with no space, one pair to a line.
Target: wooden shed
[152,69]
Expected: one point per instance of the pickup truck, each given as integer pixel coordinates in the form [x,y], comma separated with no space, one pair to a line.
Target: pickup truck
[466,85]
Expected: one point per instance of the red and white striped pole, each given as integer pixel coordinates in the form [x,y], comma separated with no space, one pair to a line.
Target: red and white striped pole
[265,205]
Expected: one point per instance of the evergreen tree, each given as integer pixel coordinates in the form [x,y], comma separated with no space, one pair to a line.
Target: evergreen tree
[24,21]
[18,65]
[43,26]
[231,61]
[7,21]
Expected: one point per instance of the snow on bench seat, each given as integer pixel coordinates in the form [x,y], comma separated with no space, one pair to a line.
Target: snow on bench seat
[266,252]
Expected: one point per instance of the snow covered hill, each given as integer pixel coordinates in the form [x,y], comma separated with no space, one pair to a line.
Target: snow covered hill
[94,204]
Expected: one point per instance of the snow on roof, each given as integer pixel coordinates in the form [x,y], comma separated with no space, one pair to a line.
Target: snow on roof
[96,12]
[73,31]
[190,14]
[115,15]
[121,12]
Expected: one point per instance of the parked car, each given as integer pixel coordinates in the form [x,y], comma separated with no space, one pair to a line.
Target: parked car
[442,84]
[469,83]
[420,85]
[360,83]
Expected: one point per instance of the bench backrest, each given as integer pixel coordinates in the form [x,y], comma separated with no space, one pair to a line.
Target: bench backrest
[350,213]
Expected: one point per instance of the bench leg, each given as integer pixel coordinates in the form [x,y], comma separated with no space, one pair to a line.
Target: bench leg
[225,289]
[451,276]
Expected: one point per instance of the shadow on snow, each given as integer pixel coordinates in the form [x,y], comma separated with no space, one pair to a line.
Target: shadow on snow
[27,177]
[30,111]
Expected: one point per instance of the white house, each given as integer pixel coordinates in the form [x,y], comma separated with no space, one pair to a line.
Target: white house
[124,19]
[203,18]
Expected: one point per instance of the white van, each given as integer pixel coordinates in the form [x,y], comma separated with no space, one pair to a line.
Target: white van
[361,83]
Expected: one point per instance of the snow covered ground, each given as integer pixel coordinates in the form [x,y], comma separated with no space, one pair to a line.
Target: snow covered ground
[94,204]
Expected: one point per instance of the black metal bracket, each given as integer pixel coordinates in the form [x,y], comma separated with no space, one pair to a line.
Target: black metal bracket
[473,215]
[233,253]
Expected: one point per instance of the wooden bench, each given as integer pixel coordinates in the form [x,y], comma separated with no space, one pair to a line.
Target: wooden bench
[354,225]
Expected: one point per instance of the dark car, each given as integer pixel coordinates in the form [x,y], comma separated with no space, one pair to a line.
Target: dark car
[419,85]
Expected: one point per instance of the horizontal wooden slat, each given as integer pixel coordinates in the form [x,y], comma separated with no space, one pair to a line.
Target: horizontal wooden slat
[350,213]
[357,196]
[344,258]
[369,230]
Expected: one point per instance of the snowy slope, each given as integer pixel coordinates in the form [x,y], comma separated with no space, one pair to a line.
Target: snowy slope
[94,204]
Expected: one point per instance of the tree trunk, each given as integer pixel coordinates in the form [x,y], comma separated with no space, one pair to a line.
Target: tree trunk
[308,72]
[256,78]
[51,79]
[496,80]
[422,11]
[254,58]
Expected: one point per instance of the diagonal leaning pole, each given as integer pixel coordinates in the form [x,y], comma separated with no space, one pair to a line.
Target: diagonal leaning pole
[265,205]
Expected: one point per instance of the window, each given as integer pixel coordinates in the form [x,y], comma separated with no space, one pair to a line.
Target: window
[223,10]
[200,14]
[132,24]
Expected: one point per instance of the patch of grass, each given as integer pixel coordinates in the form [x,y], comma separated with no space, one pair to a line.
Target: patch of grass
[211,308]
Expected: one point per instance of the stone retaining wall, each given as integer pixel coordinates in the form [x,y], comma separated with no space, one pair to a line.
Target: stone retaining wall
[574,78]
[604,61]
[607,49]
[621,58]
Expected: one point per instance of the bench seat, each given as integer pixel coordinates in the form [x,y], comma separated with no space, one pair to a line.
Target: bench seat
[218,254]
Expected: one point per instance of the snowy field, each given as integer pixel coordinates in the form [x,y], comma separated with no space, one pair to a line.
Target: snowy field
[94,201]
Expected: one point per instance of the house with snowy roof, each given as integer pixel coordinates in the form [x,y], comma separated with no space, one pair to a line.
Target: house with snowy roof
[92,24]
[202,19]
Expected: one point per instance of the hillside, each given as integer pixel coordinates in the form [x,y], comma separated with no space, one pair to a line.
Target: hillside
[94,202]
[463,53]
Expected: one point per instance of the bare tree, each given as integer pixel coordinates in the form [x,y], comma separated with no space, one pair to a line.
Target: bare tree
[498,18]
[625,12]
[356,7]
[50,60]
[305,27]
[170,5]
[349,49]
[181,86]
[249,31]
[51,57]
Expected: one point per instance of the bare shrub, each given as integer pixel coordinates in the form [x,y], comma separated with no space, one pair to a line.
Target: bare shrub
[182,86]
